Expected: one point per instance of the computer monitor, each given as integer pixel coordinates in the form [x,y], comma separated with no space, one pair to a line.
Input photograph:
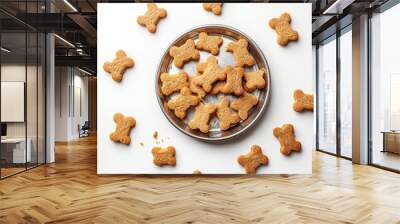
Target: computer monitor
[3,129]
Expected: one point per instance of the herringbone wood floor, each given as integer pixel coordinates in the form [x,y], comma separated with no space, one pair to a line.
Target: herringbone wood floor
[69,191]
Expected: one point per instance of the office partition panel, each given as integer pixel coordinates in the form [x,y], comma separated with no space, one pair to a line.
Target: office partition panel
[22,75]
[15,148]
[41,96]
[31,100]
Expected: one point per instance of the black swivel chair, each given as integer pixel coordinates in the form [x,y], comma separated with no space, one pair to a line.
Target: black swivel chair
[84,130]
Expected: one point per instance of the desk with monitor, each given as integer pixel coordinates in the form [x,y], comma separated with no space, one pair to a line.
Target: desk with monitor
[16,150]
[13,149]
[391,141]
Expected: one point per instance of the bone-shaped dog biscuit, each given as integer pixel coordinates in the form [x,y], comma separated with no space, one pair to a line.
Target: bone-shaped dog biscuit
[254,80]
[215,8]
[283,29]
[164,156]
[123,128]
[198,90]
[210,73]
[217,87]
[171,83]
[183,102]
[253,159]
[244,104]
[241,54]
[184,53]
[225,114]
[151,18]
[209,43]
[119,65]
[286,137]
[302,101]
[202,117]
[234,78]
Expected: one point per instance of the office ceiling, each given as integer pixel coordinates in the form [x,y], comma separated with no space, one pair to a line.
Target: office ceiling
[76,22]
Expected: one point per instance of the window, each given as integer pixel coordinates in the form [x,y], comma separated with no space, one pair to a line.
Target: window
[346,93]
[327,96]
[385,89]
[334,116]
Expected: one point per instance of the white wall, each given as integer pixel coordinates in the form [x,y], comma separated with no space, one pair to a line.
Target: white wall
[61,103]
[314,71]
[81,88]
[71,93]
[50,94]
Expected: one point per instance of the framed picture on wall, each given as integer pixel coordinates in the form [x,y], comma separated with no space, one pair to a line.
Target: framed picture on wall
[12,101]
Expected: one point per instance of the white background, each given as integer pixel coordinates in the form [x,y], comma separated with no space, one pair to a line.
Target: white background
[135,96]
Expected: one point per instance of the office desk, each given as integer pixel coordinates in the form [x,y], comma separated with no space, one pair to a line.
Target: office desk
[391,141]
[16,146]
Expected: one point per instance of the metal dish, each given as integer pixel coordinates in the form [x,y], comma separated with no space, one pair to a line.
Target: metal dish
[228,34]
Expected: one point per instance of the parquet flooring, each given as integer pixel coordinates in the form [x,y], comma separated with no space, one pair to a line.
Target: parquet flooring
[70,191]
[10,171]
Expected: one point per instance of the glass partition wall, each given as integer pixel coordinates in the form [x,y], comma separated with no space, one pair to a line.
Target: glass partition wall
[327,95]
[346,95]
[385,90]
[22,77]
[334,105]
[13,89]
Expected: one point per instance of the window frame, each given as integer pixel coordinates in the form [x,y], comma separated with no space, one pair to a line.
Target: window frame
[27,29]
[334,37]
[381,9]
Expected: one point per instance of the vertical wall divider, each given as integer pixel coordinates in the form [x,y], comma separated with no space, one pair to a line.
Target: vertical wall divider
[45,89]
[69,92]
[338,78]
[26,87]
[45,94]
[60,86]
[37,91]
[73,92]
[317,96]
[80,102]
[37,100]
[0,99]
[369,78]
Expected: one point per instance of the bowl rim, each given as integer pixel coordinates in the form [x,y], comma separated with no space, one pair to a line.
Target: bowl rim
[263,106]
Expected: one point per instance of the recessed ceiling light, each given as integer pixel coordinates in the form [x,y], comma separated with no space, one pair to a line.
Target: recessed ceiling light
[84,71]
[338,6]
[5,50]
[64,40]
[70,5]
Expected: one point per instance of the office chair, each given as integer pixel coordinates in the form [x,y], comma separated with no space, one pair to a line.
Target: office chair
[84,130]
